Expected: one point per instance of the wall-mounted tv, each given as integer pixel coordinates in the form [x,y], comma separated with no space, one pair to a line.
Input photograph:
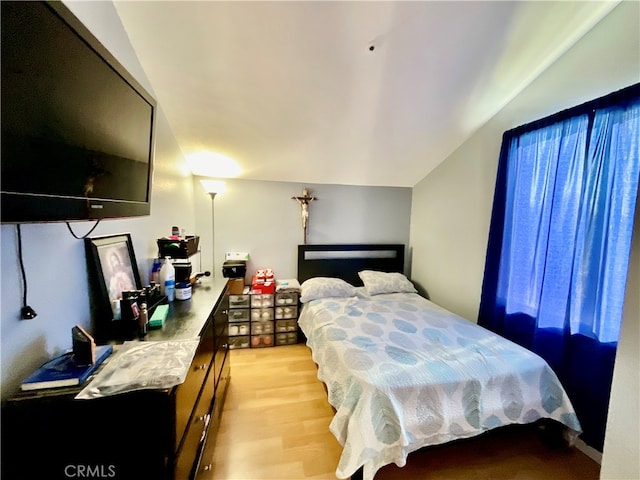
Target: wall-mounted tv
[77,128]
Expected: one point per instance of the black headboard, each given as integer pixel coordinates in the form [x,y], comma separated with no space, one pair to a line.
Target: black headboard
[346,260]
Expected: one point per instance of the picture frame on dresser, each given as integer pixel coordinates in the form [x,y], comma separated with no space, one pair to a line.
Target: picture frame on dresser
[112,269]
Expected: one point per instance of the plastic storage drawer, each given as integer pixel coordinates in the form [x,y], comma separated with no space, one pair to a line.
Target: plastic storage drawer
[239,301]
[262,300]
[286,326]
[286,338]
[239,328]
[259,328]
[261,314]
[286,299]
[239,315]
[258,341]
[239,342]
[286,312]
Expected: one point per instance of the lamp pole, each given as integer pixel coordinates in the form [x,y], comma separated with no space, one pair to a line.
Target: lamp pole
[213,187]
[213,234]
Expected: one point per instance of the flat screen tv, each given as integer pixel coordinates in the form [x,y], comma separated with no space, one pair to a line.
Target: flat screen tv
[77,128]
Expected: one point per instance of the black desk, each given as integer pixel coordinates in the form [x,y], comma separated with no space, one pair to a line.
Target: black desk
[145,434]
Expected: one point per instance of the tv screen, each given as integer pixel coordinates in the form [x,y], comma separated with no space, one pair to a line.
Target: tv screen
[77,128]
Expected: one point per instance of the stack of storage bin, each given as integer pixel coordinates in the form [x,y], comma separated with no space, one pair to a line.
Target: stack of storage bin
[286,315]
[235,268]
[262,320]
[239,320]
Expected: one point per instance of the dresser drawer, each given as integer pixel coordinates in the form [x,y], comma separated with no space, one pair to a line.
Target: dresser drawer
[196,432]
[125,433]
[187,392]
[204,463]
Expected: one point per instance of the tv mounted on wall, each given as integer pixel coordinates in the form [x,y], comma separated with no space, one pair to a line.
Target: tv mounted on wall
[77,128]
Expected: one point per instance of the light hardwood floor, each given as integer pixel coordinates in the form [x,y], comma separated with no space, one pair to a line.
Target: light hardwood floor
[275,425]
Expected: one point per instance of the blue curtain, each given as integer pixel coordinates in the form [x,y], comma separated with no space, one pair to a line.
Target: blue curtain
[559,244]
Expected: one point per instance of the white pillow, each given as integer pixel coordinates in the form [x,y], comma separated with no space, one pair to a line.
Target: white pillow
[385,282]
[325,287]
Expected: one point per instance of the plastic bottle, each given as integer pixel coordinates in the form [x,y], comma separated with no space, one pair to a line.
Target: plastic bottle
[143,320]
[155,270]
[168,279]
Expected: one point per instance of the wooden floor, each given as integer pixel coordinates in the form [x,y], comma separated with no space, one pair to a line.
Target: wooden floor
[275,425]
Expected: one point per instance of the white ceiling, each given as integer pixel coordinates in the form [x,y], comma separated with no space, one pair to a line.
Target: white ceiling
[291,91]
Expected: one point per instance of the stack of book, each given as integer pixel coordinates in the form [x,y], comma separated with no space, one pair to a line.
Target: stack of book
[65,371]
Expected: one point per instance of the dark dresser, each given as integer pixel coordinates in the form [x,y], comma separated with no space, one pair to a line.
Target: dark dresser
[144,434]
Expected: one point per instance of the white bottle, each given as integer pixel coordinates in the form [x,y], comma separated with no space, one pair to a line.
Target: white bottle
[168,279]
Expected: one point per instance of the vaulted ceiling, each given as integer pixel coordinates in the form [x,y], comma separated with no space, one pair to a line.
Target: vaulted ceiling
[360,93]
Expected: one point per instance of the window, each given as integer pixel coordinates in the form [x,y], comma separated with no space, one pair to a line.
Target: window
[560,237]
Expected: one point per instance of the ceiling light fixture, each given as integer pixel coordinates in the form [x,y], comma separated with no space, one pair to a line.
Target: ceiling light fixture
[212,164]
[212,187]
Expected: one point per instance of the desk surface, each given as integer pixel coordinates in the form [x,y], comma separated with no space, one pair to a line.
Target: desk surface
[185,320]
[187,317]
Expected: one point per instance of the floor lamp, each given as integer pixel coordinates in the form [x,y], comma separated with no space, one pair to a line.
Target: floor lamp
[212,187]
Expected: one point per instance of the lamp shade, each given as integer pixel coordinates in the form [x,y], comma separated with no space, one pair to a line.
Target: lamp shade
[212,186]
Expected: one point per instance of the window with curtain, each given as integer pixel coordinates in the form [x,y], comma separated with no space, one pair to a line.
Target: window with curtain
[559,243]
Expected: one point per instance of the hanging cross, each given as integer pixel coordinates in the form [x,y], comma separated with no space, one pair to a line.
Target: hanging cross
[304,202]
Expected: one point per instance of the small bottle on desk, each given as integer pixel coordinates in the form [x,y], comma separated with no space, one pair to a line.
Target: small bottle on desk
[143,319]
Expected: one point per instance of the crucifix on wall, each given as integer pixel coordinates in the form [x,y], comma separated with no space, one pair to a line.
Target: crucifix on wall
[304,202]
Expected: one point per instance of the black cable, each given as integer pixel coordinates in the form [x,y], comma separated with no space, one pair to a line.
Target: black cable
[86,234]
[26,313]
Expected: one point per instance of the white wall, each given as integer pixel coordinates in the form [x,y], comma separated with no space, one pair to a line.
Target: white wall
[55,261]
[452,205]
[621,458]
[260,217]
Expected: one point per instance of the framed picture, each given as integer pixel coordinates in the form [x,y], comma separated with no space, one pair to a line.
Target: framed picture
[112,269]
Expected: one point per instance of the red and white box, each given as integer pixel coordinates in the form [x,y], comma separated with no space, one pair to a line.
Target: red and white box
[263,282]
[263,287]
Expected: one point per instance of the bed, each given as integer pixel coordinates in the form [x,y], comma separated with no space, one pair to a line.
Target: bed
[403,373]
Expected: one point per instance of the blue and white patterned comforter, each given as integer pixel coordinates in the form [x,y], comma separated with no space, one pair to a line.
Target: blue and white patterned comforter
[403,373]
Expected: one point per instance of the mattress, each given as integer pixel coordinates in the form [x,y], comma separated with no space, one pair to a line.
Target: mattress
[403,373]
